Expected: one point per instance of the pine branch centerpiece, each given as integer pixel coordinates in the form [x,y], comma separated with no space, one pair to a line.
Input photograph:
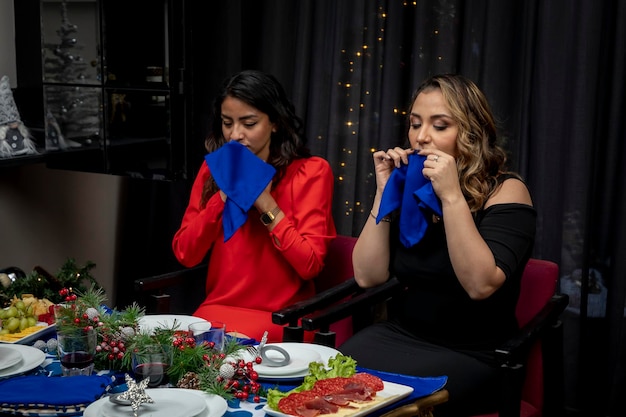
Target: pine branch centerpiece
[189,365]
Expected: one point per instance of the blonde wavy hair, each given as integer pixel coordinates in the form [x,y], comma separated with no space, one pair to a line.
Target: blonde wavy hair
[480,159]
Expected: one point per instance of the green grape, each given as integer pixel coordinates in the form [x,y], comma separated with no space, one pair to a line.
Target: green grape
[3,313]
[12,312]
[12,324]
[23,323]
[20,305]
[4,331]
[31,321]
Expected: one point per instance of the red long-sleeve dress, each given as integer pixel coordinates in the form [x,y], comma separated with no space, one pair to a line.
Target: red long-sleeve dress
[256,271]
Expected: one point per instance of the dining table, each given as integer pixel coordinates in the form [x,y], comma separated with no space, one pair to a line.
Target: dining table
[46,379]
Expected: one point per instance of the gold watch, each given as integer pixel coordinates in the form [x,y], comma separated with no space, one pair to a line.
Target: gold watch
[269,216]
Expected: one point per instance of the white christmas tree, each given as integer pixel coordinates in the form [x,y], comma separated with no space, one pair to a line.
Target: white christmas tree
[72,104]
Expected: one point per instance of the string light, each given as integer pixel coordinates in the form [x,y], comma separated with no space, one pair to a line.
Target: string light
[356,87]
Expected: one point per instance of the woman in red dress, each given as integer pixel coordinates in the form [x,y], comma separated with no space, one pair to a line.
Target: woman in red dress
[269,261]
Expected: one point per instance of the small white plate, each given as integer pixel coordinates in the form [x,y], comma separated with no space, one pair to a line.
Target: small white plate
[31,358]
[391,393]
[214,405]
[300,357]
[9,357]
[324,352]
[166,321]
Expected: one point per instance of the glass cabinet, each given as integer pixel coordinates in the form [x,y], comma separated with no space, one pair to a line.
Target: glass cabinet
[110,102]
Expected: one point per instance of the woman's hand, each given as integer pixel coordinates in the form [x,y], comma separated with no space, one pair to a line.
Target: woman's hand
[440,169]
[265,201]
[386,161]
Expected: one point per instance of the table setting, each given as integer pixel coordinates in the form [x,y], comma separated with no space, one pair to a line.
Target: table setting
[94,361]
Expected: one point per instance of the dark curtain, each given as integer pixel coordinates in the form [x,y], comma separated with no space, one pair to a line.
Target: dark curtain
[554,74]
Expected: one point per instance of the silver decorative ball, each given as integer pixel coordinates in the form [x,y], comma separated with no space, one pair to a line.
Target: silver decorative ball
[92,312]
[41,345]
[52,345]
[227,371]
[127,332]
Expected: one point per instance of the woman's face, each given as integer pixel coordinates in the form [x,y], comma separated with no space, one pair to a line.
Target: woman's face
[247,125]
[431,124]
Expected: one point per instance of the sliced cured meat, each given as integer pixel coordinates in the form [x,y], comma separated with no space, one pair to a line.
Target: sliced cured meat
[330,385]
[319,403]
[290,403]
[370,380]
[307,412]
[328,395]
[345,398]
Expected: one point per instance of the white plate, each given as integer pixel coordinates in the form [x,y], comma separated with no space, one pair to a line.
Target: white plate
[300,357]
[167,403]
[32,337]
[391,393]
[324,353]
[8,357]
[31,358]
[166,321]
[215,406]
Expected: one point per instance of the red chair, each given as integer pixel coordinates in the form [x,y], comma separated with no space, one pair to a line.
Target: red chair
[337,270]
[531,362]
[538,348]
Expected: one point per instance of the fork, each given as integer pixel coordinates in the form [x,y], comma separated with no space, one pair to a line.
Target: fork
[255,351]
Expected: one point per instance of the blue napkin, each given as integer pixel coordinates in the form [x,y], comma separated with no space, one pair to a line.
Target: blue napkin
[51,392]
[409,190]
[243,177]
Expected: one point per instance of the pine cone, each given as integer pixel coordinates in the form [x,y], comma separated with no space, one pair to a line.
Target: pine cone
[189,381]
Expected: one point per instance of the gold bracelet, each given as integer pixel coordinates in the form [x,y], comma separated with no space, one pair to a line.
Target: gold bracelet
[385,219]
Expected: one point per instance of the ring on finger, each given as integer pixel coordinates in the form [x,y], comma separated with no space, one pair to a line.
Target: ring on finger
[436,158]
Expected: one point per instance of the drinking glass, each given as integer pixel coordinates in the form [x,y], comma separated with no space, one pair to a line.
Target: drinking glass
[209,333]
[76,349]
[152,361]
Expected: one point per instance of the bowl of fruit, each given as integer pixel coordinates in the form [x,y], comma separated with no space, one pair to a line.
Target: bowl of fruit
[21,322]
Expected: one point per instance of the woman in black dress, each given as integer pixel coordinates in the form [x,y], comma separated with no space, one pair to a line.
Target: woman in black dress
[462,269]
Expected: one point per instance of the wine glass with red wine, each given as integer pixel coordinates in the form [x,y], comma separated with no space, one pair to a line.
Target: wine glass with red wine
[153,362]
[76,349]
